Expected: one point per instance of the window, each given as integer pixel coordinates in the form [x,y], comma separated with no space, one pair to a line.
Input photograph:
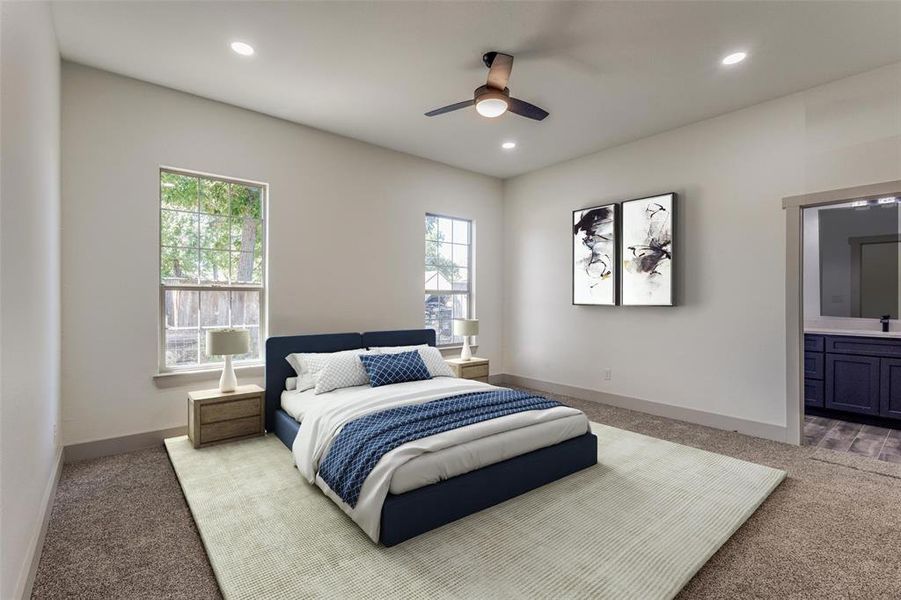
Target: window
[448,275]
[212,265]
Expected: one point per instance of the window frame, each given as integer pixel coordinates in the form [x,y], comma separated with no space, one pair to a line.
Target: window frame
[470,270]
[162,367]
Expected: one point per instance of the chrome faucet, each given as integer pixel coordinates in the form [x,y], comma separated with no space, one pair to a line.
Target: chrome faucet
[884,320]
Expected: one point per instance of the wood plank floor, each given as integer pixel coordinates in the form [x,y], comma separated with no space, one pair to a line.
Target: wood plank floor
[864,440]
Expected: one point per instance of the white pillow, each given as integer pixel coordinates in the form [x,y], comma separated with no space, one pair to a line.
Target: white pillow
[294,361]
[343,369]
[308,366]
[430,355]
[291,383]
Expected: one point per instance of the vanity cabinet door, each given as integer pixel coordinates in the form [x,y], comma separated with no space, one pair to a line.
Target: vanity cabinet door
[813,365]
[814,343]
[891,388]
[813,393]
[852,383]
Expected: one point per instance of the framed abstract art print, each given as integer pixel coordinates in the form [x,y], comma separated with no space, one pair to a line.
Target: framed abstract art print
[594,255]
[646,251]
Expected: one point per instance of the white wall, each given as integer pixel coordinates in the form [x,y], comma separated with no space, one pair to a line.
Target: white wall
[29,282]
[345,236]
[722,350]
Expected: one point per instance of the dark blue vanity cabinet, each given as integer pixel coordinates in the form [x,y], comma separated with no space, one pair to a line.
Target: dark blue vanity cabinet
[814,370]
[853,374]
[813,393]
[852,383]
[890,390]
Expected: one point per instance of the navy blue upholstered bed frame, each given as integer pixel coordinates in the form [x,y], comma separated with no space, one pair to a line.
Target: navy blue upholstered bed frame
[417,511]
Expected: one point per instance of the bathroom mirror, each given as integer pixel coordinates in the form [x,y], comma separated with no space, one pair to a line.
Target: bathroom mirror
[852,257]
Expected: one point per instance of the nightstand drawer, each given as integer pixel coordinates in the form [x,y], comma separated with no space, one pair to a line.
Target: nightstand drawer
[473,371]
[229,429]
[226,411]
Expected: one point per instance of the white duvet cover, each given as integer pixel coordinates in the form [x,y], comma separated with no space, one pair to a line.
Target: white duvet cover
[424,461]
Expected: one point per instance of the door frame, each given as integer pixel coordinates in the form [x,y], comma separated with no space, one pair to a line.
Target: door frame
[794,289]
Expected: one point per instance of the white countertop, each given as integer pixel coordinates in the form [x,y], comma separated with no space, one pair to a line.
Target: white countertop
[854,332]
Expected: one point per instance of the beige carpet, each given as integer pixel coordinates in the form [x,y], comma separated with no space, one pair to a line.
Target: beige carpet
[638,525]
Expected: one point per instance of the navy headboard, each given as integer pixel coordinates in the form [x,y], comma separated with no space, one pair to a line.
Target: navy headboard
[277,348]
[403,337]
[278,369]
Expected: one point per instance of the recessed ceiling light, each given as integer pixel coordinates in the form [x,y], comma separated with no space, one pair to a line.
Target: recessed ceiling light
[735,58]
[242,48]
[508,145]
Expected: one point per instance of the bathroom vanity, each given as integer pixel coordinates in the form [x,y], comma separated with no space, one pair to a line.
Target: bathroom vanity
[853,372]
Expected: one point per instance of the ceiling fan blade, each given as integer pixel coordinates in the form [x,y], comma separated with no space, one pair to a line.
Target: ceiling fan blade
[499,73]
[449,108]
[524,109]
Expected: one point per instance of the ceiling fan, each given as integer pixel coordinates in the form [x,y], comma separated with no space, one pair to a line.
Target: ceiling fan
[493,99]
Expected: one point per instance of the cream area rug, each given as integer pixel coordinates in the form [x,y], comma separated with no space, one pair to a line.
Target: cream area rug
[637,525]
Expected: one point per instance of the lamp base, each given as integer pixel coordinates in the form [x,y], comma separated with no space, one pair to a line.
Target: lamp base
[466,353]
[228,382]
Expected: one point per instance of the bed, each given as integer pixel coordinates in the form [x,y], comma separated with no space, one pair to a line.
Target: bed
[408,510]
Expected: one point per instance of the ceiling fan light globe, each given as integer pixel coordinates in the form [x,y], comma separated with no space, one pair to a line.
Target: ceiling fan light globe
[491,107]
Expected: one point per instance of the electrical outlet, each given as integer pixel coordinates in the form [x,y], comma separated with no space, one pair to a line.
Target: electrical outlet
[608,374]
[56,435]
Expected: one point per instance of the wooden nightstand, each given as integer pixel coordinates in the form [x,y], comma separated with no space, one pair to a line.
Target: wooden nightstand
[476,368]
[215,416]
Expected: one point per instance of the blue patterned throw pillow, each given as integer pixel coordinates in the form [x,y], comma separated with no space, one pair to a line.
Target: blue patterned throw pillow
[394,368]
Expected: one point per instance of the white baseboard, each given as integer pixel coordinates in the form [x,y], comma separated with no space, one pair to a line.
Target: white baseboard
[26,578]
[118,445]
[767,431]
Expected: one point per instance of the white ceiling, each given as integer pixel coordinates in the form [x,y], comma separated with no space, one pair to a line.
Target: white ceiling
[608,72]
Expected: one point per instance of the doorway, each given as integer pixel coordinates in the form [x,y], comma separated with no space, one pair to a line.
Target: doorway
[843,287]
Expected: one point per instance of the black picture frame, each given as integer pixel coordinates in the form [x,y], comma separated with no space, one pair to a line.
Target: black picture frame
[626,253]
[614,253]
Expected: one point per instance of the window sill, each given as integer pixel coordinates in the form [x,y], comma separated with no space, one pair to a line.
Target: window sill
[177,378]
[452,351]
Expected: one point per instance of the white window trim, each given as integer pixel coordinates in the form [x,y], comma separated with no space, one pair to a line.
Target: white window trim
[471,270]
[166,370]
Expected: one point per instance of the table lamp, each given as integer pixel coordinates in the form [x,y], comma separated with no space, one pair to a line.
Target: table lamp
[226,342]
[466,328]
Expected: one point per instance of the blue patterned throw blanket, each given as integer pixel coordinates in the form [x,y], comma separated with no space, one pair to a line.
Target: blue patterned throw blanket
[362,442]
